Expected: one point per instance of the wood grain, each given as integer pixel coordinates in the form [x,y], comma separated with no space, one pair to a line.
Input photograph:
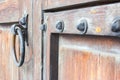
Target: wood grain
[99,19]
[55,4]
[9,11]
[69,56]
[78,60]
[9,71]
[37,40]
[26,72]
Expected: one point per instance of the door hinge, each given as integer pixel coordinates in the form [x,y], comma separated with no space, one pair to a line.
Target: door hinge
[43,26]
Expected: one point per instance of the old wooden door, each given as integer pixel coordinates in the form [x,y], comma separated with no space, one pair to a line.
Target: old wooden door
[10,13]
[81,41]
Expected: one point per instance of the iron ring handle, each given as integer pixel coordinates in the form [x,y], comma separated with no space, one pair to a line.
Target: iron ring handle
[18,31]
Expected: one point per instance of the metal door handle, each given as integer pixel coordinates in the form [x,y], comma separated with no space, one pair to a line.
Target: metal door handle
[20,30]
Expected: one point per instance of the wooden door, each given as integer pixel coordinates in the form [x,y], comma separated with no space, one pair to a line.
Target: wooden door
[10,13]
[74,53]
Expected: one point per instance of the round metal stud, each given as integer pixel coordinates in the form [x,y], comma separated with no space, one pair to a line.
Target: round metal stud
[60,26]
[116,25]
[83,26]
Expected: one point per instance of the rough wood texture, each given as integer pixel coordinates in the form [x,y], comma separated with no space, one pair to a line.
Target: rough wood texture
[9,71]
[37,39]
[31,69]
[54,4]
[26,72]
[99,19]
[9,11]
[75,57]
[88,57]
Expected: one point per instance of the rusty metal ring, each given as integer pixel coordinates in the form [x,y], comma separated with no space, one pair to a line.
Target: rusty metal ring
[18,31]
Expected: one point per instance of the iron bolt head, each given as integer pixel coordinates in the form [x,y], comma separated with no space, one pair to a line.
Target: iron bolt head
[60,26]
[116,25]
[82,26]
[43,27]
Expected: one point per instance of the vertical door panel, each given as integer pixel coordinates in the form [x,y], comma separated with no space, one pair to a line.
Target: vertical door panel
[118,71]
[26,72]
[93,58]
[8,70]
[37,39]
[77,65]
[10,13]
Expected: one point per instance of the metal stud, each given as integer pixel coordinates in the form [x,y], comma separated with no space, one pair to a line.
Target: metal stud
[82,26]
[60,26]
[116,25]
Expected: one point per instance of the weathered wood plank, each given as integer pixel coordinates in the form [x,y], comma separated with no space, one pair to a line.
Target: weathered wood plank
[8,70]
[9,11]
[118,68]
[99,19]
[78,65]
[54,4]
[26,72]
[81,57]
[88,57]
[37,39]
[107,68]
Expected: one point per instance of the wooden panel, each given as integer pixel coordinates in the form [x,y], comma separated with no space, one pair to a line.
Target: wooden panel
[9,11]
[26,72]
[9,71]
[53,4]
[88,57]
[78,65]
[37,40]
[75,57]
[99,19]
[31,69]
[118,70]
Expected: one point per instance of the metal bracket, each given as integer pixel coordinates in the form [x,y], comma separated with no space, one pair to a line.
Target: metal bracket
[24,26]
[20,29]
[43,27]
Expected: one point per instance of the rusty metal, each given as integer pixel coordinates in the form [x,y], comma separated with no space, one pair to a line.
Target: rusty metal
[60,26]
[82,26]
[20,30]
[116,25]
